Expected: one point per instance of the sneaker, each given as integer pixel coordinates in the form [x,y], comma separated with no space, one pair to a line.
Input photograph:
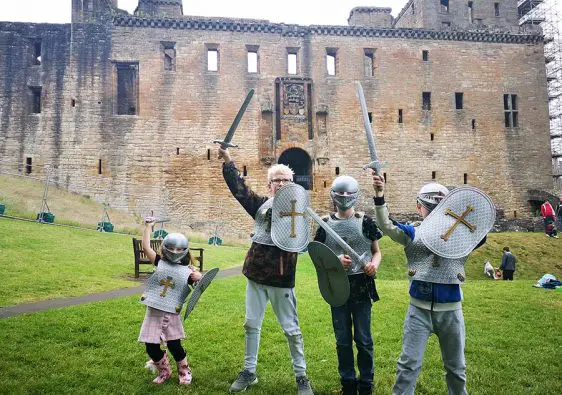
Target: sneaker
[244,380]
[303,386]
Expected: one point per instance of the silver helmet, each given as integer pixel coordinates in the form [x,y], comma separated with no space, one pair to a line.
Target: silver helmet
[430,195]
[174,240]
[344,192]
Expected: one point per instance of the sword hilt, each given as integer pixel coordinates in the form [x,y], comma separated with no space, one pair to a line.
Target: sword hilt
[375,165]
[225,145]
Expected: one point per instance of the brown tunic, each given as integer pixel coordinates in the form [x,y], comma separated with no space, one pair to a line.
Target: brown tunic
[267,265]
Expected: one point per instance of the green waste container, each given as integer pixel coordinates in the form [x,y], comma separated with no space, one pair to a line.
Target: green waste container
[48,218]
[2,209]
[160,234]
[105,227]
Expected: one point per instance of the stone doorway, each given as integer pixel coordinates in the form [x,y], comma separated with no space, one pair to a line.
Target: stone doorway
[298,160]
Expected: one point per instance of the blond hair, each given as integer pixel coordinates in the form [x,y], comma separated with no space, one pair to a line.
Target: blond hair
[278,168]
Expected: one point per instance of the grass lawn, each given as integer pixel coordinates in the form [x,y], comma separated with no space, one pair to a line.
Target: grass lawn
[48,261]
[514,331]
[513,342]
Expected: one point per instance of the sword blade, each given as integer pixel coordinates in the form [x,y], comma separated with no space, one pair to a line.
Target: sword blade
[226,142]
[341,242]
[368,130]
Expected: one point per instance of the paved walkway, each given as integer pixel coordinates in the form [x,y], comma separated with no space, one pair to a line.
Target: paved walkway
[6,312]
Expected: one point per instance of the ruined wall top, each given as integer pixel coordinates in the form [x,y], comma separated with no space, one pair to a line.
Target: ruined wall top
[160,8]
[370,17]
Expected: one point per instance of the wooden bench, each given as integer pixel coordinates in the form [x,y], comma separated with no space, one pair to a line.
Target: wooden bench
[142,259]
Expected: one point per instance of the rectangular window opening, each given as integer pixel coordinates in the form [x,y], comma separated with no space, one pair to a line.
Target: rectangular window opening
[208,154]
[433,175]
[431,136]
[252,62]
[28,165]
[369,60]
[127,88]
[425,55]
[511,115]
[426,101]
[177,150]
[213,59]
[473,124]
[37,53]
[444,5]
[35,99]
[470,12]
[514,213]
[459,100]
[465,178]
[370,114]
[245,171]
[331,61]
[497,9]
[99,166]
[169,50]
[325,183]
[400,119]
[384,176]
[292,63]
[337,170]
[73,102]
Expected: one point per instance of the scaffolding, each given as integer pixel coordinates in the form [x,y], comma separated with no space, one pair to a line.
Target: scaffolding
[547,14]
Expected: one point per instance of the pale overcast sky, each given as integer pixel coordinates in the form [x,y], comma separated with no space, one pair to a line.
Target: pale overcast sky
[302,12]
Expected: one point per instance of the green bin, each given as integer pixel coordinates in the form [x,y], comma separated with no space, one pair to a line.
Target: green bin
[160,234]
[45,217]
[2,209]
[105,227]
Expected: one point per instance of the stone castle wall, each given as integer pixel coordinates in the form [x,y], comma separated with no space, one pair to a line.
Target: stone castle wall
[162,158]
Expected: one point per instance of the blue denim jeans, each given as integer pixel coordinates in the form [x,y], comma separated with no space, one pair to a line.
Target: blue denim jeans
[352,321]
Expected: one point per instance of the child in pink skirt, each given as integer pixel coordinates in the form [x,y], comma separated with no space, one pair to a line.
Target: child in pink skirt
[165,293]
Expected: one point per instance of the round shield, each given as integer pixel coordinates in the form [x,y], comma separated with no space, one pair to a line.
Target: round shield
[332,278]
[456,226]
[289,224]
[199,288]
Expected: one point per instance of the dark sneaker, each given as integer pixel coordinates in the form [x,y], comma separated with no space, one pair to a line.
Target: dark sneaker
[244,380]
[303,386]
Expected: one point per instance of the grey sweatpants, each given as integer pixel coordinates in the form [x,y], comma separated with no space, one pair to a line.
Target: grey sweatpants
[284,305]
[418,326]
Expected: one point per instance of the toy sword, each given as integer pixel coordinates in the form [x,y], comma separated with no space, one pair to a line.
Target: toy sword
[375,164]
[341,242]
[226,143]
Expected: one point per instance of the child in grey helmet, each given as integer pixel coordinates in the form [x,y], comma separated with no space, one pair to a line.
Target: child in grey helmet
[166,291]
[352,321]
[435,307]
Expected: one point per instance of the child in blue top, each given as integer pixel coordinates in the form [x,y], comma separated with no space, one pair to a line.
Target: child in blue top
[435,296]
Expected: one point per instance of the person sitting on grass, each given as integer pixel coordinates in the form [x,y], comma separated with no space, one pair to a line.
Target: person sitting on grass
[166,291]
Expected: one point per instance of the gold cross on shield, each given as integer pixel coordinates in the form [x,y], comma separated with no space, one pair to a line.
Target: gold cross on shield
[459,220]
[293,214]
[167,283]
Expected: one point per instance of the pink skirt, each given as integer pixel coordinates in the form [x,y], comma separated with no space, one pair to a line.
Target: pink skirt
[160,326]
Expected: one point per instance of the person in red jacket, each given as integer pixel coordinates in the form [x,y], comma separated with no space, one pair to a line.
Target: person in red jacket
[547,213]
